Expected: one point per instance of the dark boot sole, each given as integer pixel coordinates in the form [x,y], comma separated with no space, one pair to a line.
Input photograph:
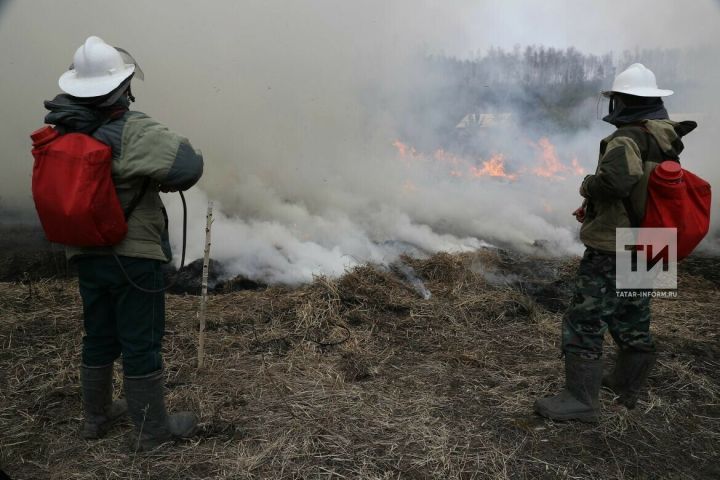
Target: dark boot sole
[564,417]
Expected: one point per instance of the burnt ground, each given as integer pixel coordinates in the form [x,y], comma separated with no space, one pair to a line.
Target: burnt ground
[25,254]
[359,377]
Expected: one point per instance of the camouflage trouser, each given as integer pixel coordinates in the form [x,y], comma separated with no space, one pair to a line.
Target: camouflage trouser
[595,308]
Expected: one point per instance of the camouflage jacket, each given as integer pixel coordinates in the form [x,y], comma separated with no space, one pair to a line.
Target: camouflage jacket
[618,189]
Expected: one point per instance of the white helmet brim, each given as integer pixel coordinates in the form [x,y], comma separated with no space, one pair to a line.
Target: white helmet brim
[640,92]
[93,87]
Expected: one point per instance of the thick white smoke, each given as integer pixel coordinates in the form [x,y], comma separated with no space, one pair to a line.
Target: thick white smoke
[296,106]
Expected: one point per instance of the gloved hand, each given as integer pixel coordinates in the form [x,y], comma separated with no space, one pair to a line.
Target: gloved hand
[579,214]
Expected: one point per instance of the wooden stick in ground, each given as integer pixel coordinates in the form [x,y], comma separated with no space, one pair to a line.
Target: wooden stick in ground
[203,292]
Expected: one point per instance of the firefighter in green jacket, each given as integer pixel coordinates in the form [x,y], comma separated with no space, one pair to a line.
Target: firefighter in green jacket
[121,319]
[614,197]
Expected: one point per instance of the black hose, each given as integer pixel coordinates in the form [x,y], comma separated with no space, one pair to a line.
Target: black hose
[182,258]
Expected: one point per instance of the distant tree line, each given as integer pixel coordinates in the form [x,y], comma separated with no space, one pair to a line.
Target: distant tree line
[545,84]
[542,66]
[535,66]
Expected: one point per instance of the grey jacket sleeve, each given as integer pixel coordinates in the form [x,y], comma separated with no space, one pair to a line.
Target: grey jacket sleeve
[150,149]
[186,169]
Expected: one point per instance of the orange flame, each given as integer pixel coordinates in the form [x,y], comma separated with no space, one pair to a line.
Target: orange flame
[550,164]
[458,166]
[495,167]
[405,150]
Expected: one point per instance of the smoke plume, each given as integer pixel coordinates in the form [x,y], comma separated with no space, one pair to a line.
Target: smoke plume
[305,112]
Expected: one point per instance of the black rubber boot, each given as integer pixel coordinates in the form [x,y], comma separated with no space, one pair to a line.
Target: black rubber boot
[630,375]
[146,405]
[579,399]
[99,410]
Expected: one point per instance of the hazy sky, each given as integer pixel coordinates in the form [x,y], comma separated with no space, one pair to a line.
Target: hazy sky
[590,25]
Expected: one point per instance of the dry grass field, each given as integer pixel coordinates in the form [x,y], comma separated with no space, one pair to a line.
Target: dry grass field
[361,378]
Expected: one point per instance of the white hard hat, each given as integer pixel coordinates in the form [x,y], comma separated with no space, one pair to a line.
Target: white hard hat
[97,69]
[637,80]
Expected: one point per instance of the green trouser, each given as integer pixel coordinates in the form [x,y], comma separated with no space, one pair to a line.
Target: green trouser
[596,308]
[119,318]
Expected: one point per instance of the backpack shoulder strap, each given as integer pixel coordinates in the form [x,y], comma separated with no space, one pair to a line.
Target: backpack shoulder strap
[146,182]
[136,199]
[634,219]
[645,155]
[654,148]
